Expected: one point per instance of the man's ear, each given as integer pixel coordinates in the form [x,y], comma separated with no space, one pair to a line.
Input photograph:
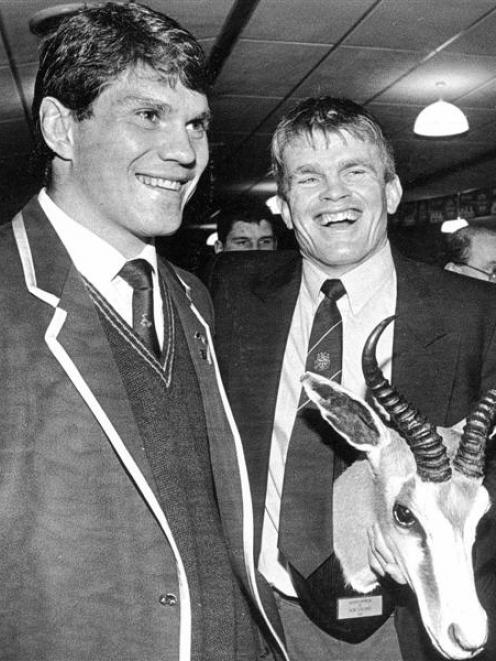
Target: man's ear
[394,191]
[57,126]
[285,213]
[218,247]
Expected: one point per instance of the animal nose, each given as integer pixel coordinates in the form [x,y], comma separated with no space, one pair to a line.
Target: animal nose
[458,635]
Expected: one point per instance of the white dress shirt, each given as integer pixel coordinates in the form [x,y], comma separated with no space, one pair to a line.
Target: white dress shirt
[100,263]
[370,297]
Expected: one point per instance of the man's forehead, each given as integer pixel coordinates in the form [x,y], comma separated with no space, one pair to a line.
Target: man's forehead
[318,140]
[245,226]
[143,80]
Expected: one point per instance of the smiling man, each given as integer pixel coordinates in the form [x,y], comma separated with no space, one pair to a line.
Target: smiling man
[125,508]
[279,315]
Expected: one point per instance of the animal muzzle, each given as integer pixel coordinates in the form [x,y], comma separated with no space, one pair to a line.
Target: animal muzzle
[464,637]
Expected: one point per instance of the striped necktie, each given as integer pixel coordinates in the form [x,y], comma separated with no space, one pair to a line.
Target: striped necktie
[138,274]
[311,465]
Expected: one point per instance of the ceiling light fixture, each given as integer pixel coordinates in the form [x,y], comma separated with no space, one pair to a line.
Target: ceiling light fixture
[440,119]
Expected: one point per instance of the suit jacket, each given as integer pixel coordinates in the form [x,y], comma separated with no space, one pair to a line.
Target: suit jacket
[444,356]
[84,540]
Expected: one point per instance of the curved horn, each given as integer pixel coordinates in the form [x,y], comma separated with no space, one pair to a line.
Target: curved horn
[426,444]
[470,456]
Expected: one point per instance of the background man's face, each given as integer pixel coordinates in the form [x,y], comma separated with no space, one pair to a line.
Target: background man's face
[482,257]
[337,199]
[138,158]
[248,236]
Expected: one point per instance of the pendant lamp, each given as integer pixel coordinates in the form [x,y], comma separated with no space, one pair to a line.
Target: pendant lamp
[440,119]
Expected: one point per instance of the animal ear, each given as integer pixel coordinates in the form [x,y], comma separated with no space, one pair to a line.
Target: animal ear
[348,414]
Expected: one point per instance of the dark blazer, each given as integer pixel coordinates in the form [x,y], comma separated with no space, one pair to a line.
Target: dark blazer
[84,540]
[444,356]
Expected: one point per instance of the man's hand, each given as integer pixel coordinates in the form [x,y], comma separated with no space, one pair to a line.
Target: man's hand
[381,559]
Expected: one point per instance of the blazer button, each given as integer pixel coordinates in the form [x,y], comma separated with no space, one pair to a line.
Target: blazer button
[168,599]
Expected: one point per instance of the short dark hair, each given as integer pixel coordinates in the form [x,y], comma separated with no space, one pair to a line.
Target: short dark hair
[459,243]
[96,44]
[247,211]
[326,115]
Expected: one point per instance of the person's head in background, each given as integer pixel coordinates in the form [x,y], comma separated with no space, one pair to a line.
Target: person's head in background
[336,181]
[472,251]
[246,226]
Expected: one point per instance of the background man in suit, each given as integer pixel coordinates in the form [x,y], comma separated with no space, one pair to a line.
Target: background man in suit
[124,496]
[337,183]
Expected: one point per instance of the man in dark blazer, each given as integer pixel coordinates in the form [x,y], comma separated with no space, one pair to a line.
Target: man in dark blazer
[125,508]
[337,183]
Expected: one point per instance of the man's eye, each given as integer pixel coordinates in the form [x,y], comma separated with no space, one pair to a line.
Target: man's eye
[148,116]
[309,179]
[198,128]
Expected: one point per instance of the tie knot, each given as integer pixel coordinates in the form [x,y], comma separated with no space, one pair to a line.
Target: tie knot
[333,289]
[138,274]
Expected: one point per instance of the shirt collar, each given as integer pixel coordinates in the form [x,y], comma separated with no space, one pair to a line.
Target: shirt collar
[361,283]
[80,242]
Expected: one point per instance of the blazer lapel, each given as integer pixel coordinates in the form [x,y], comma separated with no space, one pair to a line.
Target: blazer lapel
[84,341]
[425,352]
[78,331]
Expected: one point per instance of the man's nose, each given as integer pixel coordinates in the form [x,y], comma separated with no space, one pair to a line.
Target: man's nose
[334,188]
[176,146]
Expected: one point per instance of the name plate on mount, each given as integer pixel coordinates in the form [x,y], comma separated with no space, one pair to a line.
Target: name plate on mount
[353,607]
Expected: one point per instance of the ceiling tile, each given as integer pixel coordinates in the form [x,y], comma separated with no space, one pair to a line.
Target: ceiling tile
[288,20]
[460,73]
[239,114]
[265,68]
[202,17]
[421,157]
[483,96]
[417,24]
[23,45]
[479,40]
[397,121]
[337,75]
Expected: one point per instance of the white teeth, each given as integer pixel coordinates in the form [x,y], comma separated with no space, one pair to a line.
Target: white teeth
[349,214]
[157,182]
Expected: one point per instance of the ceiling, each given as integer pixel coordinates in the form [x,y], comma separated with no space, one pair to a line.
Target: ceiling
[267,55]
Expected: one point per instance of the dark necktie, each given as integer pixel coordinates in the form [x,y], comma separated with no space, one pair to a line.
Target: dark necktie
[138,274]
[310,466]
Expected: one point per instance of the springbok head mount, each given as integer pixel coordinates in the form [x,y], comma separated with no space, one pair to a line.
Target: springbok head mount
[423,487]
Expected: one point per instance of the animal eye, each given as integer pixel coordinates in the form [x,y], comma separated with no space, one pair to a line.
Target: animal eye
[403,516]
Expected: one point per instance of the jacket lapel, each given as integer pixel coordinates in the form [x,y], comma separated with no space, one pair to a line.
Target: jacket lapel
[78,331]
[425,351]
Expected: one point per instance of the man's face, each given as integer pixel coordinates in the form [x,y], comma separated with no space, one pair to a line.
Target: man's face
[248,236]
[137,160]
[337,200]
